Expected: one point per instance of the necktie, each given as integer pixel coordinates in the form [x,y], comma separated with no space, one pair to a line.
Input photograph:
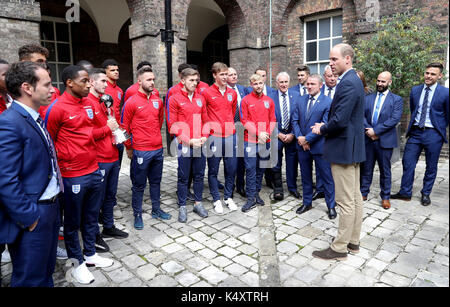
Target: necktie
[377,110]
[423,115]
[310,105]
[329,92]
[236,113]
[304,90]
[285,113]
[52,152]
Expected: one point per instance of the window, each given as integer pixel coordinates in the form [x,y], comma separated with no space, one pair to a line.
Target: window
[56,37]
[320,36]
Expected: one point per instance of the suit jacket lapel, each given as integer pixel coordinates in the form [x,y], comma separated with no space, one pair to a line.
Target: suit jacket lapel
[387,102]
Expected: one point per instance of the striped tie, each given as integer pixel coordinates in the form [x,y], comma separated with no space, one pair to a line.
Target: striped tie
[52,152]
[236,113]
[285,113]
[423,115]
[310,105]
[329,92]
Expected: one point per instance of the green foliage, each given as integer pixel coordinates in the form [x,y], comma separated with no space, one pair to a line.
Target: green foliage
[403,45]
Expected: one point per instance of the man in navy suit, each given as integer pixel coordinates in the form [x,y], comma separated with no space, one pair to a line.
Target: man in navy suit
[31,182]
[383,111]
[329,87]
[241,92]
[429,105]
[310,109]
[303,72]
[285,105]
[344,149]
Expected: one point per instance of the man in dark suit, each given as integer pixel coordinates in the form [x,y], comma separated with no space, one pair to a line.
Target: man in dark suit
[383,111]
[302,75]
[31,182]
[344,149]
[329,86]
[241,92]
[310,109]
[285,105]
[429,105]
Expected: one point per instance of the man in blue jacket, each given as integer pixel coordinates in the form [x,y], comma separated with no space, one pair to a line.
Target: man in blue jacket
[344,149]
[310,109]
[383,111]
[31,182]
[429,105]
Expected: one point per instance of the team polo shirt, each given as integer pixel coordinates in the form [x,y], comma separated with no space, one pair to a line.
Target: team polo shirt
[133,89]
[186,117]
[201,87]
[221,110]
[117,94]
[143,117]
[257,115]
[107,152]
[71,123]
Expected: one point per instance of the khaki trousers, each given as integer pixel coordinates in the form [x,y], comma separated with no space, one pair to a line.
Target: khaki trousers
[349,200]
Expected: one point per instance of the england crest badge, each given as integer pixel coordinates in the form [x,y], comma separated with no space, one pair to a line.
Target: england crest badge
[103,172]
[76,188]
[119,95]
[266,104]
[230,97]
[155,104]
[199,102]
[90,113]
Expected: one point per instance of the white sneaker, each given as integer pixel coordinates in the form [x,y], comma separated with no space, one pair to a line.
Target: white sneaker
[82,274]
[218,206]
[117,213]
[231,204]
[97,261]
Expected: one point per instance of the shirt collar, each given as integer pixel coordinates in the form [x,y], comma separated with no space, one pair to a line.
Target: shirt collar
[385,93]
[432,88]
[31,111]
[342,76]
[110,84]
[69,98]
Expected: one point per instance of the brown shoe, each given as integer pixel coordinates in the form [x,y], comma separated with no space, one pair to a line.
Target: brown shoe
[329,254]
[353,248]
[364,198]
[385,204]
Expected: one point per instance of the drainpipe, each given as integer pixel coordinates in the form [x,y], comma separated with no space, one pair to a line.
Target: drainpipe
[168,38]
[270,43]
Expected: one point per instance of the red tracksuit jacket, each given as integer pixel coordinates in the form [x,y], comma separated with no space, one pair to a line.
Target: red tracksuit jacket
[117,94]
[71,124]
[221,110]
[133,89]
[185,118]
[143,118]
[106,151]
[257,114]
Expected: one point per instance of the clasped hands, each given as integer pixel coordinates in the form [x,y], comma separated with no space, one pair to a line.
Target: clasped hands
[371,134]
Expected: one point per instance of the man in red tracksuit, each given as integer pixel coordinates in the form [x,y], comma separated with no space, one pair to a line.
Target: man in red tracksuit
[143,117]
[258,117]
[4,97]
[133,89]
[186,118]
[107,157]
[221,104]
[70,123]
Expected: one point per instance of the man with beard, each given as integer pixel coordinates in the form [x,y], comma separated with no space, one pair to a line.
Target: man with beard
[382,112]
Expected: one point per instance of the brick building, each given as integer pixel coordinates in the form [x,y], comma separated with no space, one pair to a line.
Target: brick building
[243,33]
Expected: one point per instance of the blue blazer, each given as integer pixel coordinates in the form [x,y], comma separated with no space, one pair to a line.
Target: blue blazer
[389,116]
[296,89]
[293,97]
[439,109]
[344,132]
[26,170]
[242,90]
[302,123]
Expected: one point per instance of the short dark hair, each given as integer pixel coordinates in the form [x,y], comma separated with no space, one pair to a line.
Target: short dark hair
[183,66]
[142,64]
[84,63]
[71,72]
[143,70]
[109,62]
[303,68]
[19,73]
[436,65]
[260,68]
[3,62]
[93,73]
[27,50]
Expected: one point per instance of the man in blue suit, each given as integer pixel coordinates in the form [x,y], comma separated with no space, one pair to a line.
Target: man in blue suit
[303,72]
[383,111]
[429,105]
[31,182]
[344,149]
[285,105]
[310,109]
[241,92]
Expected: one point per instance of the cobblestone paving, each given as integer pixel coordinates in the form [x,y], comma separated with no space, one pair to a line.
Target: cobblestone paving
[407,245]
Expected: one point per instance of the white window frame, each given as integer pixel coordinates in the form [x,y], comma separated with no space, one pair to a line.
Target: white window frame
[317,39]
[57,81]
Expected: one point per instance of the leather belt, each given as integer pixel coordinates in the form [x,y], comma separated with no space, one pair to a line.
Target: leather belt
[421,129]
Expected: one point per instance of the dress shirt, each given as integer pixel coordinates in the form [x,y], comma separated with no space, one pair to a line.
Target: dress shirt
[383,98]
[428,123]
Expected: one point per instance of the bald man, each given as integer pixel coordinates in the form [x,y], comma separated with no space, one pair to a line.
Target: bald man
[382,113]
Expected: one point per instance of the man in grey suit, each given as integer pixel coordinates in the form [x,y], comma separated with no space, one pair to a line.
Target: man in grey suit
[344,149]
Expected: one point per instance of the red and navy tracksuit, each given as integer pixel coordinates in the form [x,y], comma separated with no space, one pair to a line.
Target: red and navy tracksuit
[221,109]
[117,94]
[257,114]
[133,89]
[187,119]
[70,122]
[143,117]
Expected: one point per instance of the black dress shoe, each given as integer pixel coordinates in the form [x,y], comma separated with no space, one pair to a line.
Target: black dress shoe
[278,196]
[318,195]
[425,201]
[329,254]
[259,200]
[303,209]
[401,197]
[332,213]
[296,194]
